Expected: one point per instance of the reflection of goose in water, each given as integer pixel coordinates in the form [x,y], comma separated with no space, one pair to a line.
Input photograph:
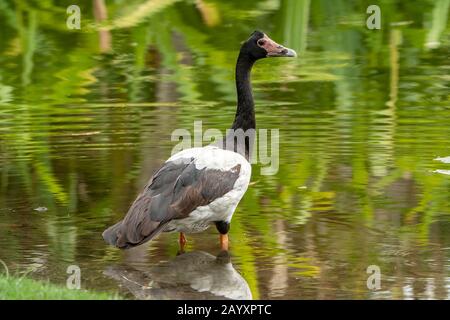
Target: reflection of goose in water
[191,275]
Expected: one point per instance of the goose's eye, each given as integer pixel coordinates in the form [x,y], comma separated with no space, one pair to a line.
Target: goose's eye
[261,42]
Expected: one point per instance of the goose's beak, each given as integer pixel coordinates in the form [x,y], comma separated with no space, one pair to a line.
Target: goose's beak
[283,52]
[274,49]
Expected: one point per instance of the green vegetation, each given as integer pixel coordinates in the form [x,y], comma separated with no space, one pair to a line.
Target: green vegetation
[20,288]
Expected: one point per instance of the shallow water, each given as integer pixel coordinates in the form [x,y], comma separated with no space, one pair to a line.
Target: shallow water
[86,117]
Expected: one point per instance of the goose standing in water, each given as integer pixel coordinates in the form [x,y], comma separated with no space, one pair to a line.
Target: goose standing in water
[198,187]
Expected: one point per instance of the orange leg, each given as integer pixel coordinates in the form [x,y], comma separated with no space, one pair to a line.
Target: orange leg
[182,241]
[224,242]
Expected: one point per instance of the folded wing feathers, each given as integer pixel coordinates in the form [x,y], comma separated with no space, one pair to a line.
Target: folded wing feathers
[175,190]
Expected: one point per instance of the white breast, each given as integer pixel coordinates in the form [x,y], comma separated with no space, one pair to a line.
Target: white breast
[222,208]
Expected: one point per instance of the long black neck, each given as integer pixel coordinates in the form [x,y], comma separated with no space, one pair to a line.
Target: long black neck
[245,113]
[241,137]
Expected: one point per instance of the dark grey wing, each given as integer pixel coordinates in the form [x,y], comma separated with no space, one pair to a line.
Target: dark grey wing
[175,190]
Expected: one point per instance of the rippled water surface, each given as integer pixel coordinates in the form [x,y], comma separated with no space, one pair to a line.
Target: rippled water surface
[364,118]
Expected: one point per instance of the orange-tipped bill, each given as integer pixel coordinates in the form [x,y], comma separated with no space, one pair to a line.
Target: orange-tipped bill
[274,49]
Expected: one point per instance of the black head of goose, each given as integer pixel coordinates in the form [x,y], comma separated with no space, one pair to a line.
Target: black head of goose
[198,187]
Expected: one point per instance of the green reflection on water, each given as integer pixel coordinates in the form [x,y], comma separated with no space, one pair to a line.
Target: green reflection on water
[86,117]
